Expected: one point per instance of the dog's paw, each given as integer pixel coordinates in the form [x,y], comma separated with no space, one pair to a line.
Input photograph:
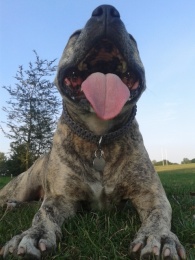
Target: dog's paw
[157,246]
[31,243]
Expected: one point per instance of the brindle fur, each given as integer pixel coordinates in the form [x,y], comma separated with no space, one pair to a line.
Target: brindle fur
[65,177]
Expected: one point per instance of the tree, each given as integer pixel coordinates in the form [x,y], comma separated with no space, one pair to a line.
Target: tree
[3,160]
[164,162]
[154,162]
[32,109]
[185,161]
[16,163]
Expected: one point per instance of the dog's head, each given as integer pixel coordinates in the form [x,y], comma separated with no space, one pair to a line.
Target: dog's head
[100,70]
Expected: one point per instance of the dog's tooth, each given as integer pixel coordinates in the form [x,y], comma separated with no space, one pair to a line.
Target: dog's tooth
[80,66]
[124,66]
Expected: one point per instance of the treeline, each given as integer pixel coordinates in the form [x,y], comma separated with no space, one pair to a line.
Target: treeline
[186,161]
[31,113]
[166,162]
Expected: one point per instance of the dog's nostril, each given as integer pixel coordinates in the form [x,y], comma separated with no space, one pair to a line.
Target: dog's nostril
[105,10]
[114,12]
[98,11]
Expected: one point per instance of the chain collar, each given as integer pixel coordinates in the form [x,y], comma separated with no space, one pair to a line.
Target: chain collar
[90,136]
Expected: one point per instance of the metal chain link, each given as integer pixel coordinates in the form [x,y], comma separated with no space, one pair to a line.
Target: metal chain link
[90,136]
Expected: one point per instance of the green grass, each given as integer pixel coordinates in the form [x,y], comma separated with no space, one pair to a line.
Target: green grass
[3,181]
[106,235]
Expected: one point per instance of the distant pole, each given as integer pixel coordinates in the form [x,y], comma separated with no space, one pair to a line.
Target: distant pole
[162,156]
[166,157]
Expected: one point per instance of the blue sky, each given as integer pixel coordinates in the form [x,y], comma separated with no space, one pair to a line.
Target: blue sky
[165,33]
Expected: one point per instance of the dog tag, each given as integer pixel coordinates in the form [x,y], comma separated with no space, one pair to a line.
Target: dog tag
[99,163]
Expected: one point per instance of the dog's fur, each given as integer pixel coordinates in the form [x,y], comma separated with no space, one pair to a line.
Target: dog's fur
[65,177]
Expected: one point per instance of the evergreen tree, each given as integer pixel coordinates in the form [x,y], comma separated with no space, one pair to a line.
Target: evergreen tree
[18,161]
[32,109]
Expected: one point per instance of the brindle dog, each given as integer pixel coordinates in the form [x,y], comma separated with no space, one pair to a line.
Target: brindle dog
[98,155]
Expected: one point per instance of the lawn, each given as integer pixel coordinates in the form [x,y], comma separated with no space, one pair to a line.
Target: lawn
[106,235]
[3,181]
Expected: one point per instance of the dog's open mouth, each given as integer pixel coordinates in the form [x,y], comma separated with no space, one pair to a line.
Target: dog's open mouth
[104,59]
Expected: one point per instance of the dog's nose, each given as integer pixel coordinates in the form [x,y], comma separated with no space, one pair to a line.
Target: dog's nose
[106,12]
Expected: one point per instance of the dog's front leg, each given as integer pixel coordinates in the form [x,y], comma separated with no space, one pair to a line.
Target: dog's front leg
[45,230]
[154,238]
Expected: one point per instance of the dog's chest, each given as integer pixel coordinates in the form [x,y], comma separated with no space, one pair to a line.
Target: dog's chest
[102,195]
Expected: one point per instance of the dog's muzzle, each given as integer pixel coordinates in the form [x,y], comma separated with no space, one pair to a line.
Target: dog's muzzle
[103,67]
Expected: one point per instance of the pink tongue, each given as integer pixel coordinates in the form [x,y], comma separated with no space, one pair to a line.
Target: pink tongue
[106,93]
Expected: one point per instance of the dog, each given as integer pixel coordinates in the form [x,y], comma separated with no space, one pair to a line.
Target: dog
[98,155]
